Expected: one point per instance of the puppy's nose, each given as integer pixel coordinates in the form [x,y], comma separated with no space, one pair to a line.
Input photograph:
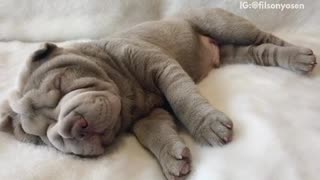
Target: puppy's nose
[79,128]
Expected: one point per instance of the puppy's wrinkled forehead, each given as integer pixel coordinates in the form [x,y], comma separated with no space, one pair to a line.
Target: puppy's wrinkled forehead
[52,67]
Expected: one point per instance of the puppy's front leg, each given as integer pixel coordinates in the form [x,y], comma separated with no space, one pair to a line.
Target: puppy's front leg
[157,133]
[157,70]
[206,124]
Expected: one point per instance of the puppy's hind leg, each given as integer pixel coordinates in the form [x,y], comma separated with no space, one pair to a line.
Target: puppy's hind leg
[157,133]
[228,28]
[293,58]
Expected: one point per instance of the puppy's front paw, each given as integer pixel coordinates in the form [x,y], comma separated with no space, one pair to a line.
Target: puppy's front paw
[214,129]
[303,60]
[175,160]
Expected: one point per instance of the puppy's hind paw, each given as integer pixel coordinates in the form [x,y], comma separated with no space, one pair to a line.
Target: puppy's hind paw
[304,61]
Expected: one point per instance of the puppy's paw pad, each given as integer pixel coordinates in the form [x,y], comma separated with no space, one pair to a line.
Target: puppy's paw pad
[176,161]
[215,130]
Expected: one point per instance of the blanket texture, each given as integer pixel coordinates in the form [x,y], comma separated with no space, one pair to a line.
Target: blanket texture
[275,112]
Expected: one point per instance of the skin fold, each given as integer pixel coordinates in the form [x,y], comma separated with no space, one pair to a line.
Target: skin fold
[78,99]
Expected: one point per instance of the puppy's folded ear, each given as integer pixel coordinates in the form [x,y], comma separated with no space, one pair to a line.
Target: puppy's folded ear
[45,50]
[40,56]
[10,123]
[6,117]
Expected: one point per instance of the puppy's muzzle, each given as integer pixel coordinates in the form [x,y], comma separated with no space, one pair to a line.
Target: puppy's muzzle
[85,119]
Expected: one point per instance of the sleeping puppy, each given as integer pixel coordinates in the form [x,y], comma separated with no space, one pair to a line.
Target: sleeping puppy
[78,99]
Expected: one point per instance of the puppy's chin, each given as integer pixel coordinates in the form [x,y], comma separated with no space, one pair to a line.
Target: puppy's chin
[89,146]
[109,136]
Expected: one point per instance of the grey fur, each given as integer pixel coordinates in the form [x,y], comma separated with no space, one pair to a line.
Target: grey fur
[78,99]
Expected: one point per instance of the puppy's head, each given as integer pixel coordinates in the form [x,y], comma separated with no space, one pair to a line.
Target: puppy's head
[65,100]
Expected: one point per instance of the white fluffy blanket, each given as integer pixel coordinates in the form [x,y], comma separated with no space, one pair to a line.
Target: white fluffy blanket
[276,112]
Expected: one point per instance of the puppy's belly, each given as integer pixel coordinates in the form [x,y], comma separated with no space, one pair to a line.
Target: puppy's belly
[209,54]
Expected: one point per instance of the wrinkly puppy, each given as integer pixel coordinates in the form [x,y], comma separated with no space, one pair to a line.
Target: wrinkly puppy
[78,99]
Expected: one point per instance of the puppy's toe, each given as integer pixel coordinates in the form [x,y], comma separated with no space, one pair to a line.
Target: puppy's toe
[176,161]
[305,51]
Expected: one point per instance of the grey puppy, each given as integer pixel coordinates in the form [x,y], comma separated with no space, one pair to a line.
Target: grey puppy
[78,99]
